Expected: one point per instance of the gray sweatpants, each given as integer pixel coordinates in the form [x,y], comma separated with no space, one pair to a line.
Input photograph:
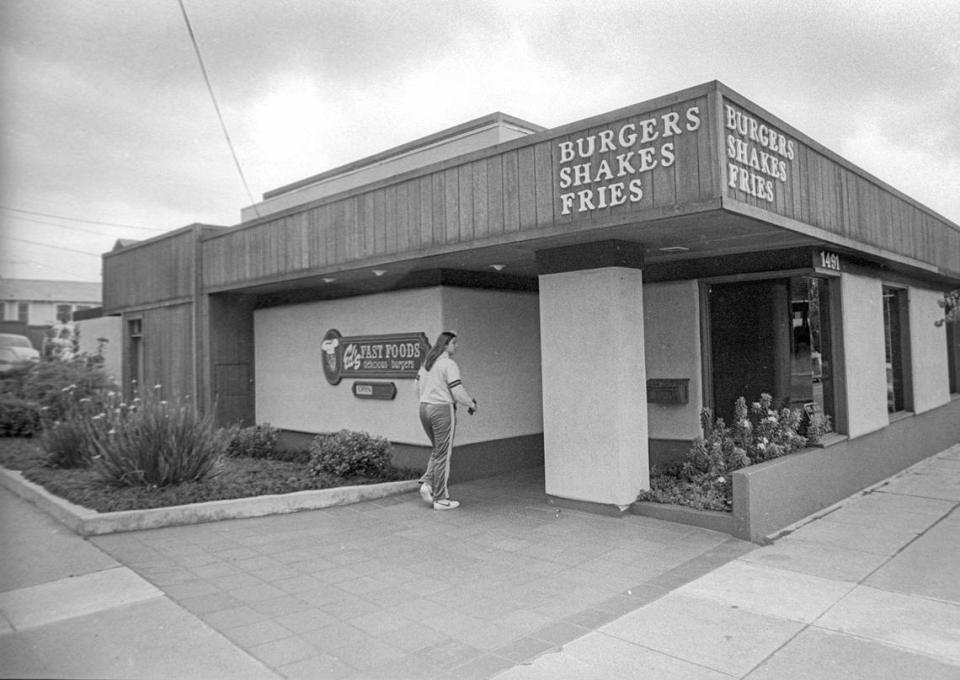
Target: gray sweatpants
[439,422]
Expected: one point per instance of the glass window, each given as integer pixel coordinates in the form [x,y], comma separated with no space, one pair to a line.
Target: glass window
[811,383]
[896,347]
[953,355]
[23,312]
[64,312]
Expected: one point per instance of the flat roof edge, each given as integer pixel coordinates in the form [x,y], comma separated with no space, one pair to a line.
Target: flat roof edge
[456,130]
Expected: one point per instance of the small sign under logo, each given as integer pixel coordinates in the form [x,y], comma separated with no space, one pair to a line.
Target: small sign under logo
[375,390]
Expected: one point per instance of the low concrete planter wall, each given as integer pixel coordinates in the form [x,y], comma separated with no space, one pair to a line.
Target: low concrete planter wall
[706,519]
[86,522]
[773,495]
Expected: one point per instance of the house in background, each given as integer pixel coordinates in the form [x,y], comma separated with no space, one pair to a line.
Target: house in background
[36,302]
[34,307]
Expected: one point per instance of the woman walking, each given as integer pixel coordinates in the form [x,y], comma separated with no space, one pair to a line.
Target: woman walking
[440,391]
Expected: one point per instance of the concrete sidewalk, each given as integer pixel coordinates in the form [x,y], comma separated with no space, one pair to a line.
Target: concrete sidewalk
[506,585]
[869,589]
[69,610]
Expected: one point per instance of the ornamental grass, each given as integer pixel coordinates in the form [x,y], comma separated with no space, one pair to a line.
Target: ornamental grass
[154,442]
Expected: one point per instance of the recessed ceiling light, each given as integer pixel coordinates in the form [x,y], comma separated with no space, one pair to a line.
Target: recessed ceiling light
[379,272]
[328,279]
[674,249]
[498,267]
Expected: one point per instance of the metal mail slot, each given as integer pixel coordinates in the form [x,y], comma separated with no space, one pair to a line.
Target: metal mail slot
[668,390]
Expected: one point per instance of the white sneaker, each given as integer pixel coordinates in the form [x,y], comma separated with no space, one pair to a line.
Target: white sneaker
[445,504]
[426,493]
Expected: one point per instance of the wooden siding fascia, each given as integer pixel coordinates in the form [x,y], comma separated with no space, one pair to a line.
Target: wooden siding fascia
[515,236]
[743,102]
[549,135]
[481,198]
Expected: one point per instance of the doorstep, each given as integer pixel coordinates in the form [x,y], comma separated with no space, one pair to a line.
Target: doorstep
[87,522]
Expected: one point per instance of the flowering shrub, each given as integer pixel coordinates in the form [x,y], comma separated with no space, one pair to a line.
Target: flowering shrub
[350,454]
[70,430]
[702,480]
[152,442]
[57,385]
[765,433]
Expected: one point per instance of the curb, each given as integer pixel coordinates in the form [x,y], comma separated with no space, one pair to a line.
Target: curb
[86,522]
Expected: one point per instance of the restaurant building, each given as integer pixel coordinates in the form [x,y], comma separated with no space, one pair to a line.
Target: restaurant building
[608,279]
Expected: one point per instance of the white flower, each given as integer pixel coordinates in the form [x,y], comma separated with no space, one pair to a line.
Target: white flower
[721,480]
[762,446]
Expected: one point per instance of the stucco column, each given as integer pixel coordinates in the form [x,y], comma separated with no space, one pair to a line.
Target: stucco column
[594,376]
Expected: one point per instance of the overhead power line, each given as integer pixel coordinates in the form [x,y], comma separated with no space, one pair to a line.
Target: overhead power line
[59,270]
[47,245]
[223,126]
[78,219]
[71,227]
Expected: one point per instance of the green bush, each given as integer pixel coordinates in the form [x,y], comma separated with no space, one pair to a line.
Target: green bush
[18,417]
[71,440]
[58,385]
[152,442]
[350,454]
[259,441]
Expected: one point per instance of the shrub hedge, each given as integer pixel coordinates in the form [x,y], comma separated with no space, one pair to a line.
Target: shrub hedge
[350,454]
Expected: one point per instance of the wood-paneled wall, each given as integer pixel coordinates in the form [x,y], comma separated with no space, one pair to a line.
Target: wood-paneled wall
[167,347]
[487,196]
[162,269]
[824,191]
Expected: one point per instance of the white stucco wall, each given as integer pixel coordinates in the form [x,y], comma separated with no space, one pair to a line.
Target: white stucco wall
[594,385]
[863,349]
[928,351]
[499,359]
[109,328]
[671,313]
[291,391]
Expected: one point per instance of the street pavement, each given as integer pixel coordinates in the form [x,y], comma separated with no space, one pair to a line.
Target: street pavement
[507,586]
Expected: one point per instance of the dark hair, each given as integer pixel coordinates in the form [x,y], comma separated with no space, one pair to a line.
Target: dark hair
[438,348]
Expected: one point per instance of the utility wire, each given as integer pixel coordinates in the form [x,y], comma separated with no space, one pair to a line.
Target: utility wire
[47,245]
[77,219]
[59,270]
[223,126]
[64,226]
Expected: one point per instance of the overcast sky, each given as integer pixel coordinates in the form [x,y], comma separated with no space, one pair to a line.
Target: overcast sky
[106,118]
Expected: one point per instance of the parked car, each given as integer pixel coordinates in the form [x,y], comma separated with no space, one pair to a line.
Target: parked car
[15,350]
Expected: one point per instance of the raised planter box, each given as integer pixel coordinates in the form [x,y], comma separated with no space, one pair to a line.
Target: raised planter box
[771,496]
[87,522]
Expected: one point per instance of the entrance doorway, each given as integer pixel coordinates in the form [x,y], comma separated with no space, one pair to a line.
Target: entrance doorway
[771,336]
